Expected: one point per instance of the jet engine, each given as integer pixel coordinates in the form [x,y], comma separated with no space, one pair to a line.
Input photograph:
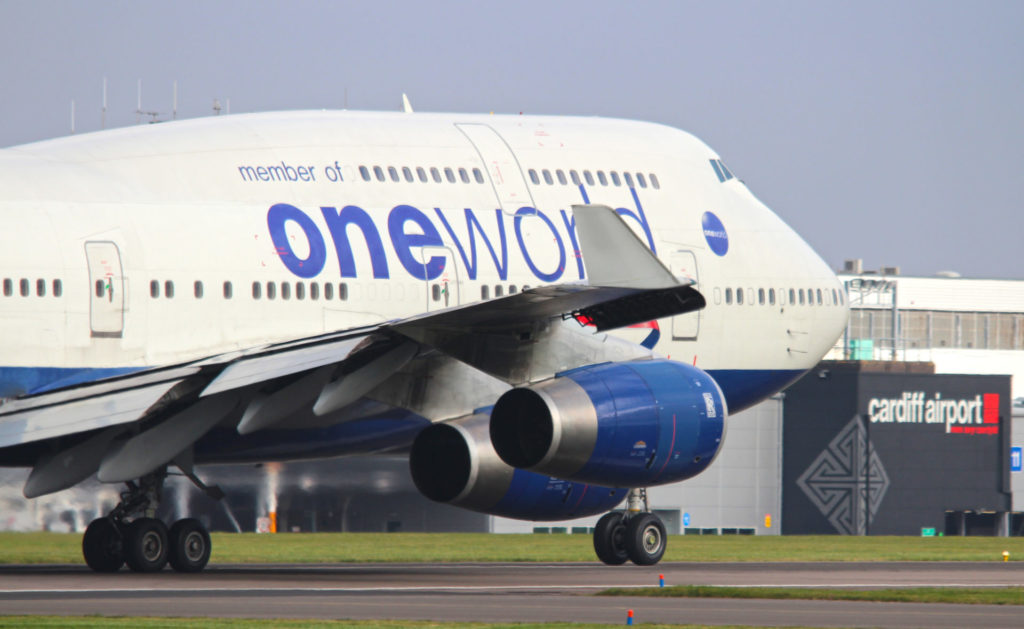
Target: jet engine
[454,463]
[632,424]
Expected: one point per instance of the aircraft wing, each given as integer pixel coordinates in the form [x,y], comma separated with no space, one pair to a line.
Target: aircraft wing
[130,425]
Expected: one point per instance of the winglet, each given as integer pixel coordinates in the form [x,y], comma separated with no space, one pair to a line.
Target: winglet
[406,105]
[613,255]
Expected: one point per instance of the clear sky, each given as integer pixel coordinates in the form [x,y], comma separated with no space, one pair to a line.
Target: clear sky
[889,131]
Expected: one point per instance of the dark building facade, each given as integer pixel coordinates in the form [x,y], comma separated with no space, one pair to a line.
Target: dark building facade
[891,449]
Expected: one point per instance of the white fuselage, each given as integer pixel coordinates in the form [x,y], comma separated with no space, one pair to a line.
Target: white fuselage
[157,237]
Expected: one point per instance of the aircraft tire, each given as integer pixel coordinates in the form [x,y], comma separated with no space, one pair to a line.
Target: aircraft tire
[102,546]
[645,539]
[189,546]
[609,539]
[145,545]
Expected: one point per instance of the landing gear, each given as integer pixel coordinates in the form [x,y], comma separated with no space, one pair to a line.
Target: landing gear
[131,535]
[636,534]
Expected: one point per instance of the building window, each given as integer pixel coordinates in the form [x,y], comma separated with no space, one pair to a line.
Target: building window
[169,289]
[228,290]
[197,289]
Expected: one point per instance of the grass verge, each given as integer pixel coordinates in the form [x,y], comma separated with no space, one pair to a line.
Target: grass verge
[211,623]
[976,596]
[42,548]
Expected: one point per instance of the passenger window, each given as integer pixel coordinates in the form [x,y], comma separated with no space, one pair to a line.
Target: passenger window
[792,297]
[561,177]
[40,288]
[629,179]
[378,172]
[463,175]
[169,289]
[436,175]
[58,288]
[575,176]
[435,292]
[364,172]
[328,291]
[197,289]
[449,175]
[818,291]
[393,173]
[534,178]
[498,290]
[642,180]
[154,289]
[602,178]
[511,289]
[257,290]
[760,296]
[479,176]
[8,287]
[23,287]
[771,296]
[286,290]
[422,174]
[739,296]
[314,291]
[407,173]
[728,296]
[271,290]
[547,176]
[228,290]
[588,177]
[654,182]
[801,293]
[300,290]
[343,291]
[485,291]
[615,178]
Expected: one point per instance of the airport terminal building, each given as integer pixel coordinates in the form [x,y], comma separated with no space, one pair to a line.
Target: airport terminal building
[909,425]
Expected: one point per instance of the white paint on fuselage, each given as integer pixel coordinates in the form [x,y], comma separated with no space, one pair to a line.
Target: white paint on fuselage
[172,198]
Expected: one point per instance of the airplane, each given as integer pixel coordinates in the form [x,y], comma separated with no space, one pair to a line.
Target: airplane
[549,314]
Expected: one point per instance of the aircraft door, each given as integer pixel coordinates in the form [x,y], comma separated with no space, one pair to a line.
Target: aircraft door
[106,289]
[502,167]
[442,291]
[683,265]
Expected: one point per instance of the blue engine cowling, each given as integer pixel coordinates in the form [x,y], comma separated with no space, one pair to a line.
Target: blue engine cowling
[632,424]
[454,463]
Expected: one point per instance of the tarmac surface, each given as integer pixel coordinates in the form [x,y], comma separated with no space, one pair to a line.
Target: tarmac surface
[510,592]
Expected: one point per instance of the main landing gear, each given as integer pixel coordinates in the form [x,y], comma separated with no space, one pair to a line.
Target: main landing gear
[635,534]
[131,535]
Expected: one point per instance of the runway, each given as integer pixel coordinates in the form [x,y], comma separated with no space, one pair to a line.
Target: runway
[508,592]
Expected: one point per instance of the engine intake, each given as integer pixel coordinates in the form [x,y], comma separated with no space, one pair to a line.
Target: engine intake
[456,464]
[632,424]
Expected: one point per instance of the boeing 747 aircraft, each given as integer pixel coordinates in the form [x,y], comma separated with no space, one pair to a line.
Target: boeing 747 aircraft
[549,314]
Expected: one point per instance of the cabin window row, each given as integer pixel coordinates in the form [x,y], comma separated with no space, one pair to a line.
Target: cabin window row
[797,296]
[629,179]
[423,175]
[300,290]
[499,290]
[25,287]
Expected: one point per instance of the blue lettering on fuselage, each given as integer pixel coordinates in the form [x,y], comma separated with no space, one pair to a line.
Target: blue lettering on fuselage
[415,240]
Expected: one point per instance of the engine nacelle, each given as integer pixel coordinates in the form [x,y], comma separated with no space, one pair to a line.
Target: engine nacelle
[454,463]
[632,424]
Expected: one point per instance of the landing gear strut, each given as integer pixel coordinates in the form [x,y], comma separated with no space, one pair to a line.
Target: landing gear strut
[635,534]
[130,534]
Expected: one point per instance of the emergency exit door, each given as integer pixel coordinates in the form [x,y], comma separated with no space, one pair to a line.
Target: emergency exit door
[106,289]
[683,265]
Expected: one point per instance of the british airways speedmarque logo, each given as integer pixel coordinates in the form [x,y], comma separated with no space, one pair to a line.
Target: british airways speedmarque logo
[714,233]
